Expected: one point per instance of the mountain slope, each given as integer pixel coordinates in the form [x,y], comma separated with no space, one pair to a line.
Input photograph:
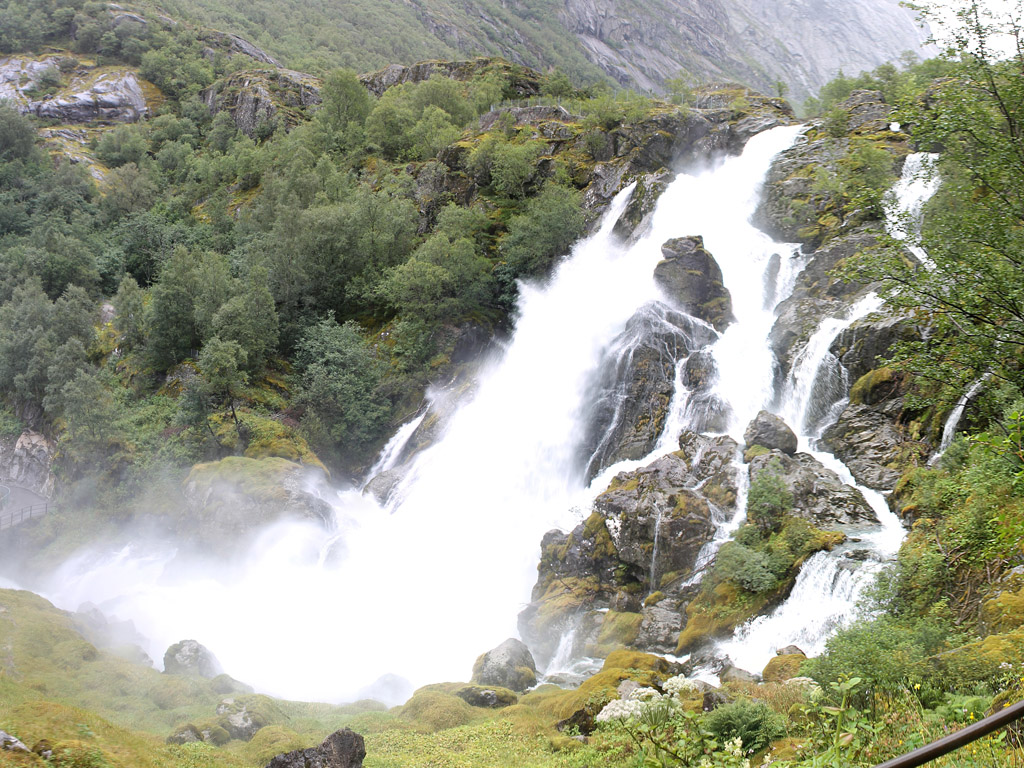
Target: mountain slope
[639,43]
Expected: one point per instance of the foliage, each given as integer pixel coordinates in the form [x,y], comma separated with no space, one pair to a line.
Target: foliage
[755,724]
[769,499]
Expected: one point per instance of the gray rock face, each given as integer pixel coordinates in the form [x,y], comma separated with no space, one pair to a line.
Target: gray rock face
[691,277]
[510,665]
[18,76]
[815,279]
[255,98]
[27,462]
[342,749]
[863,344]
[802,43]
[524,85]
[636,219]
[111,97]
[733,674]
[238,720]
[191,659]
[770,431]
[797,319]
[869,441]
[819,496]
[635,383]
[660,627]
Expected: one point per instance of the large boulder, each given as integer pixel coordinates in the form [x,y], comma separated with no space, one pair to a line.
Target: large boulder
[819,495]
[871,442]
[691,278]
[636,219]
[190,658]
[635,382]
[342,749]
[510,665]
[229,498]
[796,321]
[771,432]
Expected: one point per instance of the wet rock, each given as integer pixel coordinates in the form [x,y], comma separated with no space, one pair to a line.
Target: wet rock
[733,674]
[691,277]
[657,502]
[635,384]
[819,496]
[382,485]
[660,627]
[770,431]
[790,649]
[342,749]
[796,321]
[867,112]
[191,659]
[510,665]
[636,219]
[861,347]
[714,699]
[868,439]
[816,280]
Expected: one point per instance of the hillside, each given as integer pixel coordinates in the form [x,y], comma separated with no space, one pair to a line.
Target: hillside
[637,43]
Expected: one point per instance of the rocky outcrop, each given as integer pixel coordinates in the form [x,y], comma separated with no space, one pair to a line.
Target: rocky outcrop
[261,100]
[510,665]
[819,496]
[644,537]
[871,443]
[691,278]
[27,462]
[636,219]
[522,81]
[233,44]
[769,431]
[110,97]
[342,749]
[635,383]
[9,743]
[863,345]
[190,658]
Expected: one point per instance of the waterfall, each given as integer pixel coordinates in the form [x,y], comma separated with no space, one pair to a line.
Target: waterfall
[422,589]
[905,205]
[953,420]
[391,452]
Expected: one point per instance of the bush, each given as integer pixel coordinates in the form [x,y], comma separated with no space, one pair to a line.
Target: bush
[746,567]
[769,499]
[756,725]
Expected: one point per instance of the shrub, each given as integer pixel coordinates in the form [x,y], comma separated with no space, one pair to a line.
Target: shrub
[755,724]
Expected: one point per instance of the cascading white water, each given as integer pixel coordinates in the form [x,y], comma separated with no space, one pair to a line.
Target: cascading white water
[953,420]
[422,591]
[392,451]
[818,380]
[917,184]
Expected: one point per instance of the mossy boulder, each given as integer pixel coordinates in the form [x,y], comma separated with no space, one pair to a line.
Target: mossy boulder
[230,498]
[783,667]
[243,716]
[618,631]
[264,99]
[768,430]
[872,442]
[191,658]
[436,711]
[510,665]
[874,386]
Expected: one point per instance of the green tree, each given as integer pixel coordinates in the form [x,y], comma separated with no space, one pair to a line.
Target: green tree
[552,222]
[249,319]
[769,499]
[17,136]
[339,387]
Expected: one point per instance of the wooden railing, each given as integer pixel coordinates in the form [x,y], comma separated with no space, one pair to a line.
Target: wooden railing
[965,736]
[19,516]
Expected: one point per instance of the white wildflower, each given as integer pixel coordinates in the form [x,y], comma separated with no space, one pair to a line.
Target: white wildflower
[679,685]
[644,694]
[620,710]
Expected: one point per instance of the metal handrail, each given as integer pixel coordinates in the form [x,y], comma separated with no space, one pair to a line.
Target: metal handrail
[5,496]
[947,744]
[19,516]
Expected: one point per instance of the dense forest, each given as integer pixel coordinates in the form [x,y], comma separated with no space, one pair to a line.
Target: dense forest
[192,286]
